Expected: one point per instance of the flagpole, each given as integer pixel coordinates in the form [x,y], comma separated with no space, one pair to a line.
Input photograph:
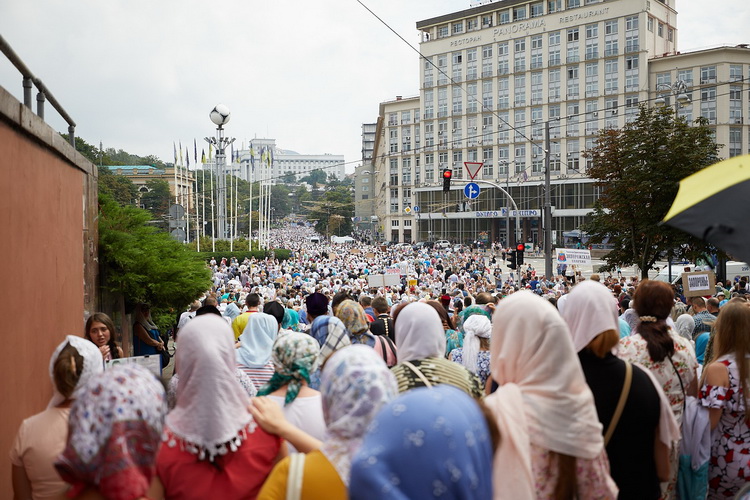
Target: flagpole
[203,196]
[197,215]
[213,219]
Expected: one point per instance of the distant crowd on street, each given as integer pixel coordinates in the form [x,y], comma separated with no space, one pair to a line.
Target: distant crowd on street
[374,372]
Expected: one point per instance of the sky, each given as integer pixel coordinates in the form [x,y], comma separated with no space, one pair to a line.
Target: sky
[140,75]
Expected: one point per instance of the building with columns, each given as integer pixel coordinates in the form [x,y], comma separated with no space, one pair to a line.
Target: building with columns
[495,76]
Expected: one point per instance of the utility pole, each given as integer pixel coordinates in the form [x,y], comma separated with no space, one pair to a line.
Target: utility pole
[547,206]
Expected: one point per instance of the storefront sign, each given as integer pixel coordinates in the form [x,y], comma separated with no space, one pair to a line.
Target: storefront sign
[571,256]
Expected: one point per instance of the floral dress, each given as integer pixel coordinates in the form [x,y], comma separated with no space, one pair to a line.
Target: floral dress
[483,363]
[635,350]
[729,467]
[453,340]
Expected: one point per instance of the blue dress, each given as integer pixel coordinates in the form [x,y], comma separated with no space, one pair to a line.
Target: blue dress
[140,348]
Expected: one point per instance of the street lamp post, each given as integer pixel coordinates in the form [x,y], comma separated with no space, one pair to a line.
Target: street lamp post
[220,116]
[679,89]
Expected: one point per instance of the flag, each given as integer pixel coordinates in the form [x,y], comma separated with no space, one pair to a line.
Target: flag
[252,157]
[203,156]
[187,155]
[233,153]
[175,152]
[180,152]
[195,147]
[210,151]
[271,156]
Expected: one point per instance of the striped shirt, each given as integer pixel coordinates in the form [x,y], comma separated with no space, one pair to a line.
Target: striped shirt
[259,376]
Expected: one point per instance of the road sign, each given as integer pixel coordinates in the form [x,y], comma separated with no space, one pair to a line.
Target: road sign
[473,168]
[407,210]
[471,190]
[415,208]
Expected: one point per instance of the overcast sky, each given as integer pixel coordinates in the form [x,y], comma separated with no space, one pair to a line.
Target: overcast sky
[139,75]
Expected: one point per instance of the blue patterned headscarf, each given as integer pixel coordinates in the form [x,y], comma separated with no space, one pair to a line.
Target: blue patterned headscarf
[428,442]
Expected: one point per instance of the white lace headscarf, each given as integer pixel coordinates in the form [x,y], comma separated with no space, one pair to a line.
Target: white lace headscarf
[93,364]
[211,410]
[475,327]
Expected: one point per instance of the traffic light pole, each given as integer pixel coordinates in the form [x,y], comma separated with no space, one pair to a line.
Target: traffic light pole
[512,202]
[547,208]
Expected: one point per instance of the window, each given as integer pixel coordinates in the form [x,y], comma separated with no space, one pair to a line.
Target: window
[472,24]
[610,27]
[536,43]
[504,16]
[554,38]
[554,6]
[457,101]
[458,28]
[631,23]
[537,9]
[520,90]
[442,31]
[650,24]
[592,31]
[520,45]
[631,62]
[572,4]
[670,34]
[519,13]
[735,72]
[487,21]
[471,100]
[660,31]
[487,94]
[708,74]
[573,35]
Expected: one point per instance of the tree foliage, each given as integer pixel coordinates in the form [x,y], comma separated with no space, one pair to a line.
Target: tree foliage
[158,198]
[638,169]
[119,187]
[315,177]
[333,212]
[144,264]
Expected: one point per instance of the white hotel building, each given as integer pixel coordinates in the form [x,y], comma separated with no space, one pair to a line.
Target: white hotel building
[581,65]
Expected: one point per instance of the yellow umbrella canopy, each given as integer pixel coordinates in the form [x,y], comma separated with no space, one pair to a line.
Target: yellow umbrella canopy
[713,204]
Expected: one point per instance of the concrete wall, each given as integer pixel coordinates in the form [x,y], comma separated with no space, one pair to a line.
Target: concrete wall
[48,248]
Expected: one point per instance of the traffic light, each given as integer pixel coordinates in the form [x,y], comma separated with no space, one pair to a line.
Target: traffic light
[447,176]
[512,264]
[519,253]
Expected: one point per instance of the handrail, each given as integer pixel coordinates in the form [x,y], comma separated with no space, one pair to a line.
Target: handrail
[42,95]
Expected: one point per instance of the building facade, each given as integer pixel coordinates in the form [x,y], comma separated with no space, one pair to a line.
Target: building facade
[364,180]
[494,77]
[180,180]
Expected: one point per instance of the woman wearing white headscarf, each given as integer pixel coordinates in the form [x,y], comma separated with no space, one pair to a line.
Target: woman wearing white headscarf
[551,445]
[641,438]
[420,343]
[212,446]
[685,324]
[42,438]
[256,342]
[475,353]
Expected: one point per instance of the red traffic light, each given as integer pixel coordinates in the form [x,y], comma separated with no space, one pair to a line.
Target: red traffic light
[520,247]
[447,174]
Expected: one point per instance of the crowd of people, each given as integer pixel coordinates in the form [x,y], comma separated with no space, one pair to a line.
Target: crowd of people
[298,379]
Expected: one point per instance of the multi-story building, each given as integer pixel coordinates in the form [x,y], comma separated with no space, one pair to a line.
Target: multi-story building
[364,176]
[180,180]
[494,77]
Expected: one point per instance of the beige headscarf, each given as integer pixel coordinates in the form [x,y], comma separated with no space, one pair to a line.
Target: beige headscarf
[591,310]
[543,397]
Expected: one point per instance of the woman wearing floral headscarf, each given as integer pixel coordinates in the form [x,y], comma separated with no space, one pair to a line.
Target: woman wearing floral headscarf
[331,335]
[427,443]
[295,358]
[355,321]
[41,438]
[114,435]
[356,384]
[212,446]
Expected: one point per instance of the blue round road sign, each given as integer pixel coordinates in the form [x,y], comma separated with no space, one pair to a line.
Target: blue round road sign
[471,190]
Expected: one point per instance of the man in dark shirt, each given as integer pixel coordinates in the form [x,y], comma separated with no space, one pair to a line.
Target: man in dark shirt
[383,324]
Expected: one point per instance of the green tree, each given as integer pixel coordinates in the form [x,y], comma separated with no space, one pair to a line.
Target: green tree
[143,264]
[119,187]
[158,198]
[280,201]
[289,177]
[316,177]
[637,168]
[333,212]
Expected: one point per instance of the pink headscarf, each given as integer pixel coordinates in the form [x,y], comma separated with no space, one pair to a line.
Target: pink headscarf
[543,397]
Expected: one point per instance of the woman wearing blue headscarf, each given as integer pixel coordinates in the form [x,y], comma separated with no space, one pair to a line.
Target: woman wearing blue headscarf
[429,442]
[254,353]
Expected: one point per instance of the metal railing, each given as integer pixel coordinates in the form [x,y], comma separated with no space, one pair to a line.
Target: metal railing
[43,93]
